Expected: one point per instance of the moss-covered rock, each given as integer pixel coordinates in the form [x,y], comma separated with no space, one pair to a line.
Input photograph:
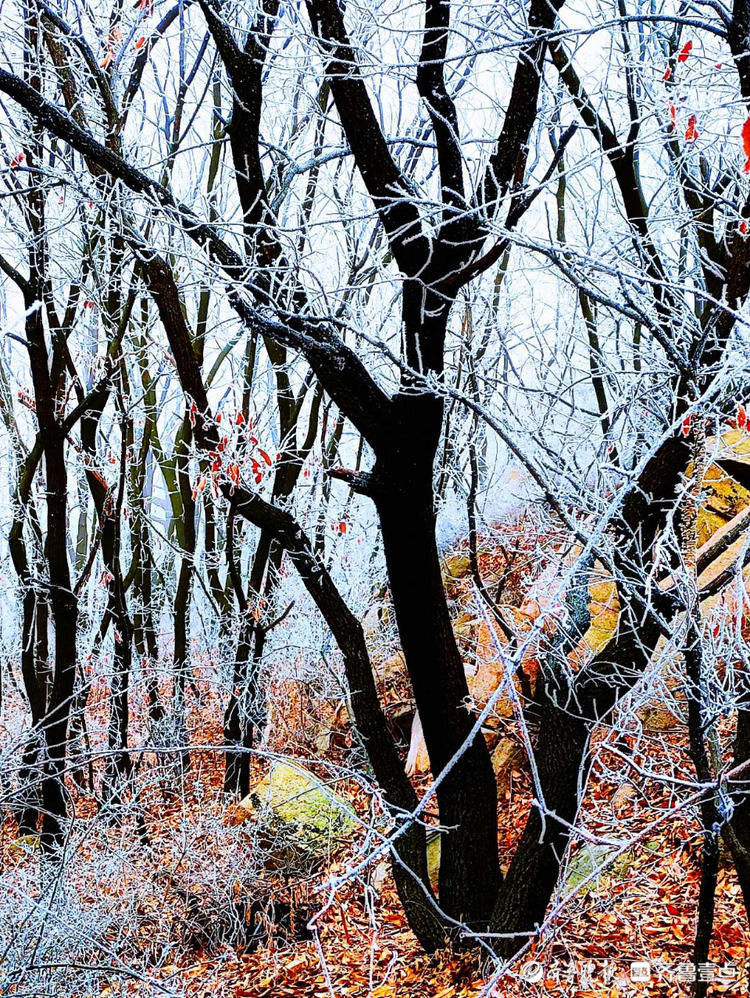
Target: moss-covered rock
[298,797]
[592,858]
[433,857]
[298,819]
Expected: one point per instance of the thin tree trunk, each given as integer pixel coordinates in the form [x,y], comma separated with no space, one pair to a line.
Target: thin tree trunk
[65,616]
[181,661]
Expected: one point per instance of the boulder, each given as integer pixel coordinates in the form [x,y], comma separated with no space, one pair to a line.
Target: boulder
[456,566]
[592,858]
[296,816]
[655,718]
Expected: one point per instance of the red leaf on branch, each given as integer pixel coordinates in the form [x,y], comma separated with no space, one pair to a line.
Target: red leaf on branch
[746,144]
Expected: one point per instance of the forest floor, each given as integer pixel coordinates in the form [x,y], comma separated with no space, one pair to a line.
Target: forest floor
[164,901]
[645,910]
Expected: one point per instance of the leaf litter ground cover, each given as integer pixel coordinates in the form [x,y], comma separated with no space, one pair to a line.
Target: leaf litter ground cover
[639,906]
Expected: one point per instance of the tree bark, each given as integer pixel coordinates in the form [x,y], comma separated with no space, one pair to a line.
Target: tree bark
[402,488]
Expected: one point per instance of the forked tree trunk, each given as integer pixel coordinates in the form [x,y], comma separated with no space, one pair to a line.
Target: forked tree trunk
[567,717]
[402,488]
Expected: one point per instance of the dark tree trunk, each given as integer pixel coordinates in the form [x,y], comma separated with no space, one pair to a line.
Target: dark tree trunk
[65,616]
[33,672]
[245,709]
[108,502]
[737,833]
[562,764]
[402,487]
[181,662]
[144,628]
[568,716]
[238,724]
[238,717]
[142,567]
[62,600]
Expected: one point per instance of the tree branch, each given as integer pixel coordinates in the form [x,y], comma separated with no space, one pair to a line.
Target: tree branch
[382,177]
[341,372]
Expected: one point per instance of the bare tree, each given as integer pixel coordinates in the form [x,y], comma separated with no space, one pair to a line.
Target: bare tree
[448,221]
